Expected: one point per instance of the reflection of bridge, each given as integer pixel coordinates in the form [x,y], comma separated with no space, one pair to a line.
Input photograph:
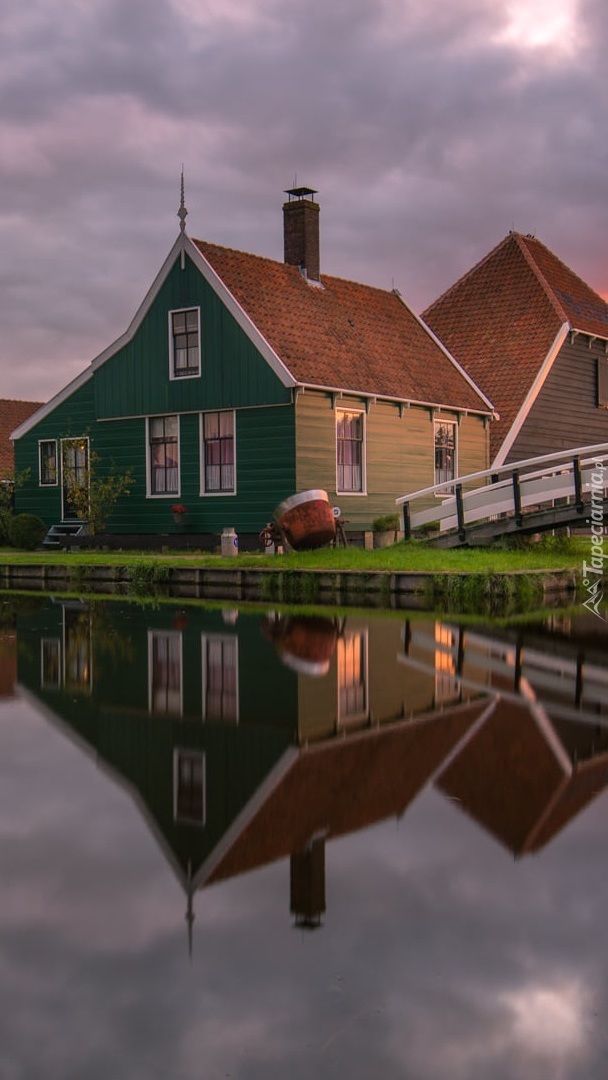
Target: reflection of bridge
[553,491]
[566,682]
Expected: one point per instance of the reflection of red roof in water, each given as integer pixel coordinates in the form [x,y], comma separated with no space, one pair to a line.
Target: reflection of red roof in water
[340,786]
[515,778]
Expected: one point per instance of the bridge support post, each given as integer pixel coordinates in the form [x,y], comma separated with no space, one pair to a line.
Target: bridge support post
[578,484]
[517,497]
[407,522]
[460,512]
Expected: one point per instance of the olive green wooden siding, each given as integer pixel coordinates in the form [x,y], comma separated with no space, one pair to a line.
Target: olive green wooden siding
[135,381]
[399,452]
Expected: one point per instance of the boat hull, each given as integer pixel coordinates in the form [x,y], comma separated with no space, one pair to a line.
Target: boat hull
[307,519]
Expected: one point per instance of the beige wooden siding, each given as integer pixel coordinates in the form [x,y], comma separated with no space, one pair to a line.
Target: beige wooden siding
[473,445]
[399,452]
[393,690]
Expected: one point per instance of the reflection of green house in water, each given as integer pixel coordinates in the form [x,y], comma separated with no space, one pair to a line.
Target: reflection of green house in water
[245,739]
[228,749]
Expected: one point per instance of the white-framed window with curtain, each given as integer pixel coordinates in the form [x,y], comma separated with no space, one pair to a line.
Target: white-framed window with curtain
[350,451]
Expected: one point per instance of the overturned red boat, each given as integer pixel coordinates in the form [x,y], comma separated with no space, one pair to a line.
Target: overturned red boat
[307,519]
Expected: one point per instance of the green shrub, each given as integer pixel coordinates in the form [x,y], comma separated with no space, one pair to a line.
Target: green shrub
[27,531]
[386,523]
[5,527]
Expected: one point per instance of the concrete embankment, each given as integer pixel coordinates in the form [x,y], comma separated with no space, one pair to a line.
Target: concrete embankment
[404,589]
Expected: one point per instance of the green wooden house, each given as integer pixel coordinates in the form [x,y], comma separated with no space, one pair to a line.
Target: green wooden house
[242,380]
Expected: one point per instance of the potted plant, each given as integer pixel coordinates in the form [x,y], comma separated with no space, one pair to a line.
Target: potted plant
[179,512]
[385,529]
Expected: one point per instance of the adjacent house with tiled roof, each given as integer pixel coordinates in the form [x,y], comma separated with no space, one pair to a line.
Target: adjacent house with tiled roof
[534,337]
[12,414]
[242,380]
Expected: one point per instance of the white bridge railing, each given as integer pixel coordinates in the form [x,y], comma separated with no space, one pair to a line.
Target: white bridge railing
[510,489]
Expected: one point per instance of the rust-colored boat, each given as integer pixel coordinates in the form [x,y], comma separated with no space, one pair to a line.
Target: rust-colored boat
[307,519]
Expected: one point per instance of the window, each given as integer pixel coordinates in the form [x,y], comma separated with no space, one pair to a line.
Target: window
[220,678]
[445,452]
[602,381]
[48,462]
[77,650]
[189,787]
[349,451]
[50,655]
[217,449]
[352,678]
[163,455]
[165,672]
[184,341]
[446,681]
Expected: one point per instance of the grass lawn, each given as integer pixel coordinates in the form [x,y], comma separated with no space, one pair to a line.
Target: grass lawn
[549,554]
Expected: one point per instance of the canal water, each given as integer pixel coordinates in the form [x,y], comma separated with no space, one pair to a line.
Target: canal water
[254,844]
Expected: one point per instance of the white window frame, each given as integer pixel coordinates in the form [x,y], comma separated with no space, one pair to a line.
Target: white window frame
[178,311]
[449,485]
[173,635]
[206,639]
[201,442]
[41,482]
[162,494]
[341,409]
[199,755]
[72,439]
[346,719]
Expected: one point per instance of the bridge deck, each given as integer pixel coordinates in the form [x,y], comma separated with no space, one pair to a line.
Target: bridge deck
[568,488]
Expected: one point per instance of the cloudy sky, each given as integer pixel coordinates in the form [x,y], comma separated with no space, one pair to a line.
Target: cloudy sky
[430,128]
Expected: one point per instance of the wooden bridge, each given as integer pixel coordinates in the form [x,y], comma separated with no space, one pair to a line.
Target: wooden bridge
[534,495]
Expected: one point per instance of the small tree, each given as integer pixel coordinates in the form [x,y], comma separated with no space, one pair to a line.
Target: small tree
[8,484]
[96,496]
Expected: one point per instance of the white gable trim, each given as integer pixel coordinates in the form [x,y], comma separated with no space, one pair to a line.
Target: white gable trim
[532,395]
[182,245]
[446,352]
[143,308]
[44,410]
[240,315]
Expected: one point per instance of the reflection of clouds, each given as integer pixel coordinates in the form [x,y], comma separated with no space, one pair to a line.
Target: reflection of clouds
[550,1021]
[435,961]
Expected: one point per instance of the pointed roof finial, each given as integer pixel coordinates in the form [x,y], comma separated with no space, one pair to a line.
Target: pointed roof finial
[190,909]
[182,213]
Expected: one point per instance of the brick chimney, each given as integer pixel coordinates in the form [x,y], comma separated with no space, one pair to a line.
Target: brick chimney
[301,231]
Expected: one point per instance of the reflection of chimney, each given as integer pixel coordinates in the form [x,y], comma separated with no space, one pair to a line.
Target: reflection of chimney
[301,231]
[307,885]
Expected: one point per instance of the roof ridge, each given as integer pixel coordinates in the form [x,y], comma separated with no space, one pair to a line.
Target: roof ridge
[288,266]
[469,273]
[549,291]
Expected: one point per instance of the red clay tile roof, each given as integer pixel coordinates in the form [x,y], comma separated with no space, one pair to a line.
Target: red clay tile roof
[500,320]
[344,335]
[12,414]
